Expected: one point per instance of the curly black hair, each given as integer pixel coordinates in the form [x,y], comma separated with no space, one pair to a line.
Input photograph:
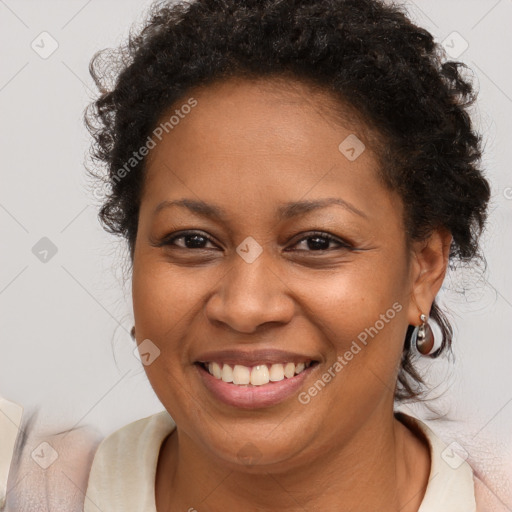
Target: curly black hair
[366,54]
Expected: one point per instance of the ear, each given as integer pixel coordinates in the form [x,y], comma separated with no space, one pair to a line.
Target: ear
[429,263]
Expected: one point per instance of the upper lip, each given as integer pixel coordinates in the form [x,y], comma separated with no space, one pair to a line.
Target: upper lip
[253,357]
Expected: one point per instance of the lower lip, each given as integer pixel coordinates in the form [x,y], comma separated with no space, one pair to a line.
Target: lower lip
[253,397]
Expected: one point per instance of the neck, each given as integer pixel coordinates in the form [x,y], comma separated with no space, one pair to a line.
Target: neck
[385,467]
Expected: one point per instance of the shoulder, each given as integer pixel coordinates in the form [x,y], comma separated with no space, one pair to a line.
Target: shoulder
[489,458]
[476,464]
[124,466]
[133,438]
[451,484]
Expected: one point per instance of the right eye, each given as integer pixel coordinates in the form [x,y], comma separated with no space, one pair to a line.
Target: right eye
[190,240]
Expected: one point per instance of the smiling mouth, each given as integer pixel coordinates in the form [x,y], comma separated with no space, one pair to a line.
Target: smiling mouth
[258,375]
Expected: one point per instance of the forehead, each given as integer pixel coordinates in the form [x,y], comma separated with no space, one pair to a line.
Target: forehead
[253,140]
[241,101]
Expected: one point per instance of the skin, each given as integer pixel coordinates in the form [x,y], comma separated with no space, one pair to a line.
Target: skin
[249,147]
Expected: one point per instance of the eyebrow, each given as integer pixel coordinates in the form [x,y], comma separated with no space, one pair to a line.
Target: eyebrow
[286,211]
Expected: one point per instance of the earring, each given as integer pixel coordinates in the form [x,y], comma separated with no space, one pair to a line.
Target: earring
[132,333]
[422,338]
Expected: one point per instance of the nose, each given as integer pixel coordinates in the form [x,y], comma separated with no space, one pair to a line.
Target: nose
[249,296]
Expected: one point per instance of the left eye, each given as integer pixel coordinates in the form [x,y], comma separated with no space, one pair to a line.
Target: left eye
[320,242]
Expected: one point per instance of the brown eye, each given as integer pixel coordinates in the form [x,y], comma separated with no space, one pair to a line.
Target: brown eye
[189,240]
[316,242]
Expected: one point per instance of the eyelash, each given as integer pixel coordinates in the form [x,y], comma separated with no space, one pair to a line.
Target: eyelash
[170,239]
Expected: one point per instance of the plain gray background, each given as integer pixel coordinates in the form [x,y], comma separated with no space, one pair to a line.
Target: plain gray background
[64,324]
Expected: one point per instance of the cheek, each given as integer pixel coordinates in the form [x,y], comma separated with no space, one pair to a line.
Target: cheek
[164,297]
[346,302]
[362,315]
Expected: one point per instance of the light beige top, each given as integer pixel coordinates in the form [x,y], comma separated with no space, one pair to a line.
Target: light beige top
[123,473]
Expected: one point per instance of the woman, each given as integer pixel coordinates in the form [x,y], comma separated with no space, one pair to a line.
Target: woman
[292,179]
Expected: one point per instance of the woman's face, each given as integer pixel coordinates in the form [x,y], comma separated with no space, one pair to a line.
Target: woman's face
[259,284]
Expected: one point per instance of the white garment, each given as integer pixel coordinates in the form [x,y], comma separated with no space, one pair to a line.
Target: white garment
[122,476]
[10,420]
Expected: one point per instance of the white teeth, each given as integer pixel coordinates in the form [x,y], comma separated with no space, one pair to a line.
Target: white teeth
[289,370]
[241,374]
[227,373]
[299,368]
[257,375]
[216,371]
[276,372]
